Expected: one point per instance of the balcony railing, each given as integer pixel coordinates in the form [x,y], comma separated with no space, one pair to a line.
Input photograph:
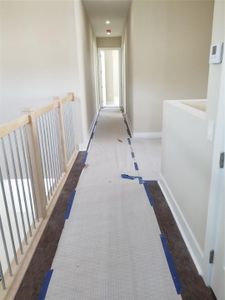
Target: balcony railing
[37,152]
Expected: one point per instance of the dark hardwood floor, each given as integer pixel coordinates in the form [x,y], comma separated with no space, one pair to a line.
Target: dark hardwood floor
[193,287]
[45,252]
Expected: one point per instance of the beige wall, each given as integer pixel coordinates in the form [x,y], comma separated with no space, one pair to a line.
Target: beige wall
[168,46]
[128,70]
[1,60]
[87,53]
[123,72]
[38,53]
[215,69]
[190,171]
[47,49]
[109,42]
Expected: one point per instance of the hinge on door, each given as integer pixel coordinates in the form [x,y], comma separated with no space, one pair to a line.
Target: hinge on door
[222,160]
[211,257]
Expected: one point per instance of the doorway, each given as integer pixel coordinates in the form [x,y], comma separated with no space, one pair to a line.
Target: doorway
[109,77]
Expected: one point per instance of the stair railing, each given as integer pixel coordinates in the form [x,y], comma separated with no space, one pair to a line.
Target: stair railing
[37,152]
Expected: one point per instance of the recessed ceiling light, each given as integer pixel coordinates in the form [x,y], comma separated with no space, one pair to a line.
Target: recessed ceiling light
[108,33]
[107,22]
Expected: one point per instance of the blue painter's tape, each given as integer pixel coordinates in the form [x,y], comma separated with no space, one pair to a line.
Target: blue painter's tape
[129,141]
[85,158]
[128,129]
[69,205]
[45,284]
[132,154]
[125,176]
[128,132]
[140,179]
[171,264]
[150,197]
[136,166]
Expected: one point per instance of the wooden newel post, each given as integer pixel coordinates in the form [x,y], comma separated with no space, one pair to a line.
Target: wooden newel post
[38,175]
[72,96]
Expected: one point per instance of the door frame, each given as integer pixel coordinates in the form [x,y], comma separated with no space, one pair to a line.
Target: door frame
[120,74]
[217,183]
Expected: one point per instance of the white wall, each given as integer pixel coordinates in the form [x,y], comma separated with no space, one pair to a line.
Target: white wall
[186,172]
[168,46]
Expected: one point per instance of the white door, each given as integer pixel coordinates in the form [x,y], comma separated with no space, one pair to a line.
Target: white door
[109,77]
[101,78]
[217,281]
[218,270]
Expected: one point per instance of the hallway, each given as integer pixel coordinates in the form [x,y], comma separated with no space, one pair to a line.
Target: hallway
[98,203]
[110,247]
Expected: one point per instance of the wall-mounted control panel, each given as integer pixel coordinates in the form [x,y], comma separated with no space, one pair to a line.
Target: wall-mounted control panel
[216,53]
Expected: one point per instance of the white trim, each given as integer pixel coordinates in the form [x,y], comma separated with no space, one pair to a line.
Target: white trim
[185,230]
[148,135]
[216,195]
[83,146]
[109,48]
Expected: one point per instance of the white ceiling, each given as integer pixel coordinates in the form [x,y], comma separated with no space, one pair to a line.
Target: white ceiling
[101,10]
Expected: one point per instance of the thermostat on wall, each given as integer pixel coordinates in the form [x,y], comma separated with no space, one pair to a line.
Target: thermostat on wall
[216,53]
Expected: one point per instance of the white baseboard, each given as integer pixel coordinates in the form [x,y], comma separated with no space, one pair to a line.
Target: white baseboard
[147,135]
[83,146]
[185,230]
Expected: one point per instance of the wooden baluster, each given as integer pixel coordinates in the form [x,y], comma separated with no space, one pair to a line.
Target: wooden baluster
[36,165]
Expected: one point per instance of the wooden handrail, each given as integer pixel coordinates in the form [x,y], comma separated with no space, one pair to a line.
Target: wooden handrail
[7,128]
[69,97]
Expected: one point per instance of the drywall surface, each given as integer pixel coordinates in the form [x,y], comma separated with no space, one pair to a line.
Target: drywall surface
[128,70]
[168,47]
[110,42]
[1,59]
[123,73]
[38,54]
[87,51]
[215,69]
[186,170]
[47,49]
